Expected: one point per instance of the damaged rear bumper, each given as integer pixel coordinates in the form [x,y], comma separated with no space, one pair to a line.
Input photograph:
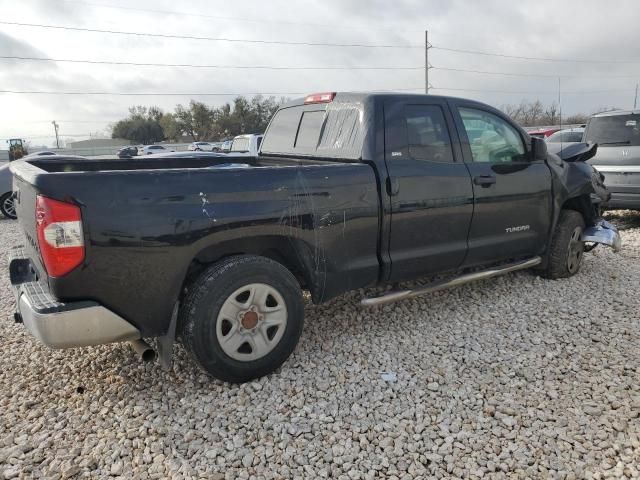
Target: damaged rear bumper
[604,233]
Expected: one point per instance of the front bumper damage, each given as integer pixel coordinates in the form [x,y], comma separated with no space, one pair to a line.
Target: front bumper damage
[58,324]
[604,233]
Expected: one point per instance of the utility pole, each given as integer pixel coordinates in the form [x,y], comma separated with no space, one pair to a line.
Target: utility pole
[559,102]
[635,101]
[55,127]
[426,62]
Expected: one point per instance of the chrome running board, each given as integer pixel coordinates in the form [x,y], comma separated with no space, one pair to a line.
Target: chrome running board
[454,282]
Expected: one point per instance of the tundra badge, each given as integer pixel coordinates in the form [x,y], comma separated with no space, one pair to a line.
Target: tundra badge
[519,228]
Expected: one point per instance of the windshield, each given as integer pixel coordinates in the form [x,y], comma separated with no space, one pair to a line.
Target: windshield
[240,145]
[565,137]
[614,130]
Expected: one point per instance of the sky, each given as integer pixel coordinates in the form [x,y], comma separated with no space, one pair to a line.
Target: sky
[587,50]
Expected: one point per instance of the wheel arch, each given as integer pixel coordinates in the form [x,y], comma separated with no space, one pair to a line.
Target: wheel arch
[583,205]
[292,253]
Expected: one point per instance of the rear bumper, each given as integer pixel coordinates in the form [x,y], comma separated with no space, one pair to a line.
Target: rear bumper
[62,325]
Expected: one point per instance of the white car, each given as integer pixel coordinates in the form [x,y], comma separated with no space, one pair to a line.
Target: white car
[150,149]
[246,145]
[569,135]
[200,146]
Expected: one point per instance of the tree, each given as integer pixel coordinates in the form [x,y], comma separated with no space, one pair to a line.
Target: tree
[529,114]
[141,126]
[197,120]
[170,127]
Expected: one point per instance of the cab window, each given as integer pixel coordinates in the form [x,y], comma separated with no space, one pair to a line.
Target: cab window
[492,139]
[428,136]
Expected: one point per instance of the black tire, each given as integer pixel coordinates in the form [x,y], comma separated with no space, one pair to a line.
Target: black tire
[7,206]
[199,316]
[566,250]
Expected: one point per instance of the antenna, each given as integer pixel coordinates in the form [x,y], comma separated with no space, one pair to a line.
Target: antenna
[635,100]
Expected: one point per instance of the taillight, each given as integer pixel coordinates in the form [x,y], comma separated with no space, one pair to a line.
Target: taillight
[319,97]
[59,228]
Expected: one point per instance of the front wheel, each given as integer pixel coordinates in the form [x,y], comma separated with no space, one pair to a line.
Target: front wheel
[567,248]
[242,318]
[8,205]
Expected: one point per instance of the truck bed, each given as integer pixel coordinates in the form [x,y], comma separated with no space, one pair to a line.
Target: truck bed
[167,162]
[153,221]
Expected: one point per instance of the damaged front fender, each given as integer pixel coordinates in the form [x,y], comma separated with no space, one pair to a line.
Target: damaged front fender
[604,233]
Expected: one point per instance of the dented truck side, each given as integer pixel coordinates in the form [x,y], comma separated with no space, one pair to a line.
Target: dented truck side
[349,191]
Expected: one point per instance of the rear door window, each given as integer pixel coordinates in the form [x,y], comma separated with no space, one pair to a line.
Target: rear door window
[427,134]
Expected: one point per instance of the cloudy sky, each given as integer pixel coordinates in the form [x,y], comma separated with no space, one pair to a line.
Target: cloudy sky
[594,44]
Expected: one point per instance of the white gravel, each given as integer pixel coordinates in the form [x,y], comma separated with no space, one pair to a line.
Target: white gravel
[515,377]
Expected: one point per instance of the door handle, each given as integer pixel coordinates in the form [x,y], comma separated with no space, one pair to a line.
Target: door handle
[484,180]
[393,186]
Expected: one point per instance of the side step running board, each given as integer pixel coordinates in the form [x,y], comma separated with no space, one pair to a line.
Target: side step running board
[454,282]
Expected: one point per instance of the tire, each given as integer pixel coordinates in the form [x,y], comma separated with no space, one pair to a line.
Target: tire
[8,206]
[566,250]
[248,338]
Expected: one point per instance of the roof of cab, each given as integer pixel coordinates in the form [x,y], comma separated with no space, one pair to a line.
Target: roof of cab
[362,97]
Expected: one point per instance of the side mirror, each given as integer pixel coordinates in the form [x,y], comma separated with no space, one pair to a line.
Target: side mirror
[538,149]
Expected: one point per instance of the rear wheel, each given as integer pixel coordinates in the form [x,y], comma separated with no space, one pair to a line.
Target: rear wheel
[8,205]
[242,318]
[567,249]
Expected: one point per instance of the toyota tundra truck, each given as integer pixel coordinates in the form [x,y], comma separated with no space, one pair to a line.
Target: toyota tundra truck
[349,190]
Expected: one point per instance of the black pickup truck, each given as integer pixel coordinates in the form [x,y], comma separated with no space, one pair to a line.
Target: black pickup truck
[348,191]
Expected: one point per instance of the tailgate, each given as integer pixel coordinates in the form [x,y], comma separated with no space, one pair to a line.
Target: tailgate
[26,192]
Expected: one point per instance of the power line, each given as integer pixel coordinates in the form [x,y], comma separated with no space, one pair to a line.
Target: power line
[229,94]
[213,39]
[181,94]
[529,92]
[203,15]
[190,65]
[513,74]
[520,57]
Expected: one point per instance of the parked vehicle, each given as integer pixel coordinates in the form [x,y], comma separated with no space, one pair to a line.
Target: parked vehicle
[617,134]
[216,146]
[226,146]
[348,191]
[543,132]
[569,135]
[248,145]
[128,152]
[7,202]
[151,149]
[200,146]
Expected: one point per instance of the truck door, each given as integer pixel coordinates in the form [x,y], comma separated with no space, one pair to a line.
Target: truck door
[512,193]
[429,189]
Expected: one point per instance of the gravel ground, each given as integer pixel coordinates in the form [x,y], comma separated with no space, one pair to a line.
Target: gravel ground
[515,377]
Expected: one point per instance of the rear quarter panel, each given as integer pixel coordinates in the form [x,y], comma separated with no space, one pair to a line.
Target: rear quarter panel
[143,229]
